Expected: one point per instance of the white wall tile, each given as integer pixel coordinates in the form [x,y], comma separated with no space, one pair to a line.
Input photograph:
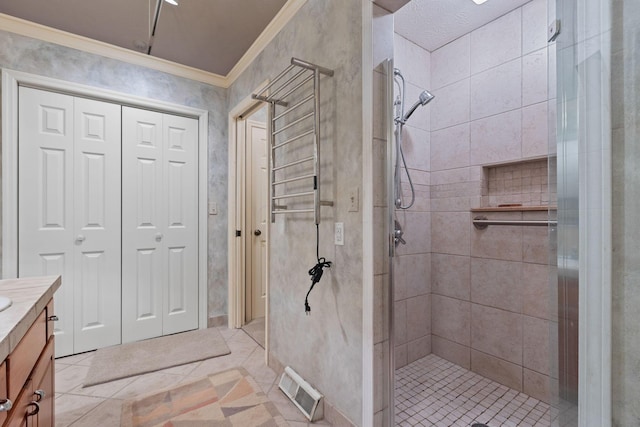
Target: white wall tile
[496,90]
[413,61]
[534,25]
[451,62]
[497,42]
[535,133]
[496,139]
[534,77]
[450,147]
[450,106]
[416,148]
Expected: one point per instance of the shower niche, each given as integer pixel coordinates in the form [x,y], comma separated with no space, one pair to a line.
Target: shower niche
[522,184]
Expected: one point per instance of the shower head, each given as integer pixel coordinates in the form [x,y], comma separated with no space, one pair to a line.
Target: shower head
[424,98]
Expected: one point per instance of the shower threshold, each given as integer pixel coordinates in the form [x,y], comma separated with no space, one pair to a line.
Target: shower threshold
[435,392]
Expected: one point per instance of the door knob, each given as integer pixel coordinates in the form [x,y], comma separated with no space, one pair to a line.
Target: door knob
[257,232]
[80,238]
[159,237]
[5,405]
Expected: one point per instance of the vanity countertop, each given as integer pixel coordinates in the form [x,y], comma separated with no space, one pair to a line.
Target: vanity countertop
[30,296]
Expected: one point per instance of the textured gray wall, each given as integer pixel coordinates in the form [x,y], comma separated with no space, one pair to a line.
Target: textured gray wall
[47,59]
[326,347]
[625,100]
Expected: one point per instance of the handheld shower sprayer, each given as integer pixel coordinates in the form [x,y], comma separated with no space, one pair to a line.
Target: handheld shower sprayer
[424,98]
[400,119]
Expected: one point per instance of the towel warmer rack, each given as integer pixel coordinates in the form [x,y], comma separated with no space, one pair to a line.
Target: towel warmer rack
[288,93]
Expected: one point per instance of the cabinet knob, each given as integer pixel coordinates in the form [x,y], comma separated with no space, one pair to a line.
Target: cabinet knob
[159,236]
[80,238]
[5,405]
[36,410]
[40,394]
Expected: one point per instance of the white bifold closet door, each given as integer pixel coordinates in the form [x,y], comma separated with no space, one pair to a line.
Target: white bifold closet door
[69,211]
[159,224]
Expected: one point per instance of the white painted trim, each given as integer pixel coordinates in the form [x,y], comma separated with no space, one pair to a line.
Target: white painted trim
[235,217]
[85,44]
[367,217]
[285,14]
[9,169]
[10,82]
[203,219]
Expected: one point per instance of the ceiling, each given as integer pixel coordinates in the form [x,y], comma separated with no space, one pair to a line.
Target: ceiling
[433,23]
[213,35]
[210,35]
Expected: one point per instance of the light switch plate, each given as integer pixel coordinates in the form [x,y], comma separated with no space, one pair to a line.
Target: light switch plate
[338,238]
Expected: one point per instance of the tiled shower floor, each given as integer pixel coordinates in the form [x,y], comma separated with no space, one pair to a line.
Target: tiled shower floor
[434,392]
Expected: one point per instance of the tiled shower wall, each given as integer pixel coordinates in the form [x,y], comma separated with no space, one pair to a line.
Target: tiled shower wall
[490,289]
[412,265]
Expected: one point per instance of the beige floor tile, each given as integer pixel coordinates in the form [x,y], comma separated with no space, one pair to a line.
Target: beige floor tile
[107,414]
[70,408]
[70,378]
[100,405]
[257,368]
[103,390]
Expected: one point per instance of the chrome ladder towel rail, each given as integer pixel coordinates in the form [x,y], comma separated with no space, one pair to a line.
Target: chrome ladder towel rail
[292,79]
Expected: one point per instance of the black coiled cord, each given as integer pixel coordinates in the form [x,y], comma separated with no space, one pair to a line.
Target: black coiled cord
[316,271]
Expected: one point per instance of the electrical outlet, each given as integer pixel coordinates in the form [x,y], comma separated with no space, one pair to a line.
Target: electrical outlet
[338,237]
[354,200]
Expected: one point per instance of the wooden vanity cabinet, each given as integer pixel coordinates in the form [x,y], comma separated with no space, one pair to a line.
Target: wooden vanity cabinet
[3,389]
[30,377]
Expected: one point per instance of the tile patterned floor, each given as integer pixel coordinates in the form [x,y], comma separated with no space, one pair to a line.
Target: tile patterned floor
[434,392]
[101,405]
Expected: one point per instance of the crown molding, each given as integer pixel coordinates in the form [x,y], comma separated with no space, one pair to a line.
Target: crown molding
[63,38]
[85,44]
[278,22]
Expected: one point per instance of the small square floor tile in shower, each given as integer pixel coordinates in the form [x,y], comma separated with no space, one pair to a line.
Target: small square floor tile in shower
[435,392]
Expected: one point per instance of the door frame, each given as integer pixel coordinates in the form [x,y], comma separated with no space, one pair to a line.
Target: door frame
[11,80]
[237,216]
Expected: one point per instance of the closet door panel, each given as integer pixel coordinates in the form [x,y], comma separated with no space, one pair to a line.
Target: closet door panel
[97,166]
[45,201]
[143,264]
[181,202]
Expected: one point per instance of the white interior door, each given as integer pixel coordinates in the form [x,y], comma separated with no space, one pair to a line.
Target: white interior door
[160,256]
[180,216]
[69,210]
[45,201]
[142,278]
[97,288]
[258,179]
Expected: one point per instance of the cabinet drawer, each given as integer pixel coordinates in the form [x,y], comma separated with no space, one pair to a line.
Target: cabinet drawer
[19,415]
[3,389]
[20,363]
